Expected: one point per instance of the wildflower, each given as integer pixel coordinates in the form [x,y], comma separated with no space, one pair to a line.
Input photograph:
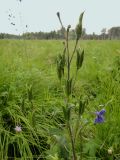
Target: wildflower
[110,150]
[99,116]
[18,129]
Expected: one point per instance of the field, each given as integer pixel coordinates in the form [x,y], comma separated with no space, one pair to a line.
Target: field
[32,97]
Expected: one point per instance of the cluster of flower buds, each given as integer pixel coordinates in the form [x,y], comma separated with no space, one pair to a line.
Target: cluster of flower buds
[79,27]
[68,87]
[60,65]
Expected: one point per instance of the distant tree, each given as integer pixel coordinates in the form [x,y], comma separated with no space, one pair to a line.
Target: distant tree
[1,35]
[103,33]
[72,34]
[114,33]
[61,33]
[84,33]
[93,35]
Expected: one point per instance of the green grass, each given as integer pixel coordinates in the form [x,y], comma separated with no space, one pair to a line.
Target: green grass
[38,109]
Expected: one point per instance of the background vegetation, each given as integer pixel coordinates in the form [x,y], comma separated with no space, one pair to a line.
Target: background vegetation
[31,97]
[112,33]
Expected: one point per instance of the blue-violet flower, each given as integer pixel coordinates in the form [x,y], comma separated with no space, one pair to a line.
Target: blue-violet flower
[99,116]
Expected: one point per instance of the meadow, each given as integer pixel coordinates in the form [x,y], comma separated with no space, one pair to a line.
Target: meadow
[32,97]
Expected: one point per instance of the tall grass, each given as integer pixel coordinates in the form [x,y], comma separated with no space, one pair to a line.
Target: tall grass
[31,96]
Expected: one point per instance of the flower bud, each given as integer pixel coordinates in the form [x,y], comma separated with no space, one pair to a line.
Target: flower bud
[68,28]
[60,65]
[110,151]
[58,14]
[79,27]
[80,57]
[69,87]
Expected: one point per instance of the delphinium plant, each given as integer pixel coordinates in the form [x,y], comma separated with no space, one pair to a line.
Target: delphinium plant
[72,112]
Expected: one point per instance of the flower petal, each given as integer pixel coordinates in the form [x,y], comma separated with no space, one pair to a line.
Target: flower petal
[99,119]
[102,112]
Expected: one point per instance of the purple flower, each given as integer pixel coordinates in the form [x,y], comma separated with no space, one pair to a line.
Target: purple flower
[18,129]
[99,116]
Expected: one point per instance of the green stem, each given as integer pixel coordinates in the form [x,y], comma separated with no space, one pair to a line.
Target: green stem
[68,60]
[81,147]
[76,129]
[68,78]
[61,22]
[74,50]
[75,77]
[72,142]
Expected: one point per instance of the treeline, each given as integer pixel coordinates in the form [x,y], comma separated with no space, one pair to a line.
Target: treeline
[113,33]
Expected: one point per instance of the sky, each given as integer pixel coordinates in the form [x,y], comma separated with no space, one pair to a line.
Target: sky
[19,16]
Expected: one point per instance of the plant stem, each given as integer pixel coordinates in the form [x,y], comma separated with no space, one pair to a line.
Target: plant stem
[74,50]
[68,60]
[68,78]
[75,78]
[72,142]
[81,146]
